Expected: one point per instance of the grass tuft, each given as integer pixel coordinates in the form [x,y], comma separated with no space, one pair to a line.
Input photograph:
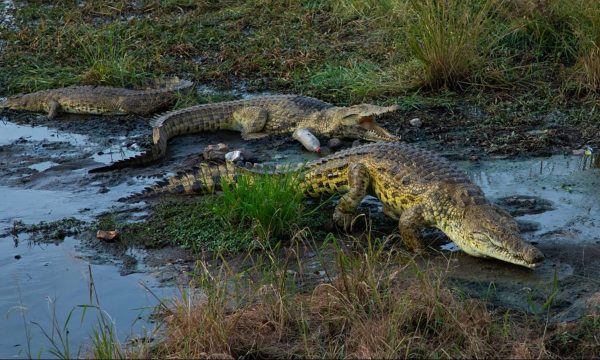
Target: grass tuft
[255,212]
[445,36]
[107,59]
[269,204]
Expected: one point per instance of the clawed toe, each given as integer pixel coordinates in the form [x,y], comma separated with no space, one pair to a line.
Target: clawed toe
[343,220]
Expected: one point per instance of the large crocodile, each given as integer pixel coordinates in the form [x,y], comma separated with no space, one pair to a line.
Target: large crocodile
[417,187]
[101,100]
[256,117]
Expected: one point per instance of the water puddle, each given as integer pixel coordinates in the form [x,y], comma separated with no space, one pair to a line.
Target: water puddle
[559,180]
[116,153]
[40,279]
[53,279]
[42,166]
[11,132]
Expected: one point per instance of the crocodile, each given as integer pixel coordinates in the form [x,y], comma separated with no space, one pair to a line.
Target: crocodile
[260,116]
[417,187]
[100,100]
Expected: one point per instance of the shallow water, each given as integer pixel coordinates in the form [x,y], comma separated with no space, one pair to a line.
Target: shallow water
[53,279]
[37,278]
[560,179]
[11,132]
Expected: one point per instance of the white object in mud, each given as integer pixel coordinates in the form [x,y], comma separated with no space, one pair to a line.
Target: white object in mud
[307,139]
[235,155]
[416,122]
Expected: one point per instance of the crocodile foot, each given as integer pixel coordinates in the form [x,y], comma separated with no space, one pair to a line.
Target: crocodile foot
[343,220]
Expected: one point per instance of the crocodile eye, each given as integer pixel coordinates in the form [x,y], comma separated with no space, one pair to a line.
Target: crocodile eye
[486,238]
[480,237]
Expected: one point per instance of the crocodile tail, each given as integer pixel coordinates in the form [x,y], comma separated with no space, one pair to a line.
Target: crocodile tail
[203,179]
[156,152]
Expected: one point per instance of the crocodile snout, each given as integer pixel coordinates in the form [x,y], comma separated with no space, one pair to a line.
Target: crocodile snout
[534,256]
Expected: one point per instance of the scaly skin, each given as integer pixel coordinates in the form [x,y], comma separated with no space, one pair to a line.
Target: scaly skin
[100,100]
[417,187]
[259,116]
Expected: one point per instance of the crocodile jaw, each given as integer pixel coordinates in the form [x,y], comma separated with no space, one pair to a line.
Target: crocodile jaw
[483,237]
[528,256]
[374,132]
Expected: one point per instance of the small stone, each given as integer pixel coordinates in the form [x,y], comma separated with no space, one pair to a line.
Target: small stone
[18,257]
[334,143]
[416,122]
[107,236]
[325,150]
[103,190]
[356,143]
[215,152]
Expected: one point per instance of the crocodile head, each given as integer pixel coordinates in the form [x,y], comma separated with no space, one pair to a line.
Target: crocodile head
[358,122]
[490,232]
[23,102]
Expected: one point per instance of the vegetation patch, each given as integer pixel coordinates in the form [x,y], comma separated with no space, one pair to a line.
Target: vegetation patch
[49,231]
[256,212]
[342,50]
[368,306]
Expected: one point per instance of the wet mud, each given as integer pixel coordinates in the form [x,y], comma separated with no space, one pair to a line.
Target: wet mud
[44,176]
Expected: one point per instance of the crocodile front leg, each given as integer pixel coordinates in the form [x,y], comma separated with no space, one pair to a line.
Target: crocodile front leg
[358,183]
[250,121]
[410,224]
[53,107]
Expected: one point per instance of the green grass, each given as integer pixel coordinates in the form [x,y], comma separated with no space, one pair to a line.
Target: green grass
[191,225]
[344,50]
[272,205]
[107,59]
[255,212]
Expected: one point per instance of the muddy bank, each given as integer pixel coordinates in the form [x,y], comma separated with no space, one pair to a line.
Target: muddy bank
[43,177]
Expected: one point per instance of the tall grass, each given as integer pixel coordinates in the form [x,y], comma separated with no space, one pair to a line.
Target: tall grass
[253,212]
[369,305]
[445,35]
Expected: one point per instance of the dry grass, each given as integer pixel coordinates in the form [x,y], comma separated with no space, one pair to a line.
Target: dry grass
[372,308]
[587,70]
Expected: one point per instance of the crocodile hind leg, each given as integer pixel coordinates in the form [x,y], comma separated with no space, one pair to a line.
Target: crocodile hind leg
[410,224]
[250,121]
[358,182]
